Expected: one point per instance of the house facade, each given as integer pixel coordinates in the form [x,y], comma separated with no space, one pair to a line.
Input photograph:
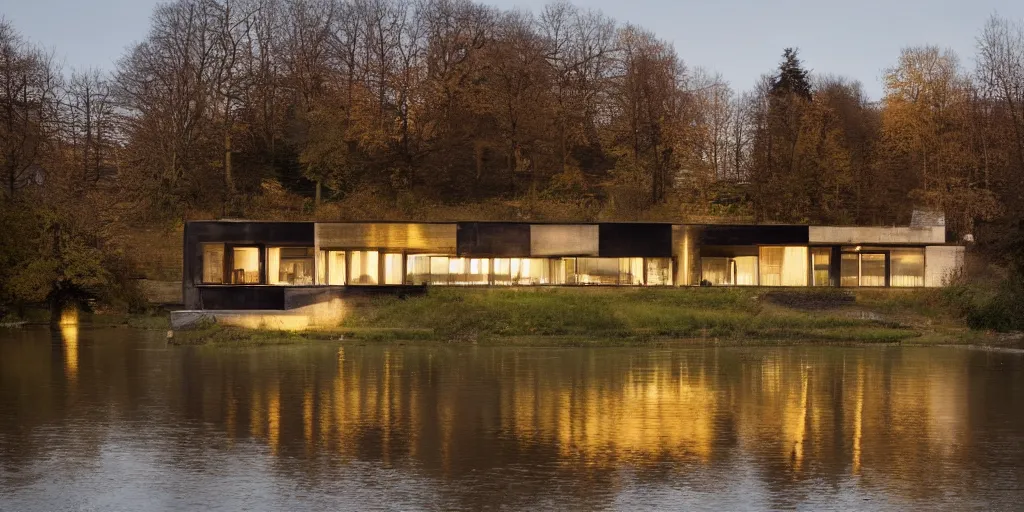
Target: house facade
[283,265]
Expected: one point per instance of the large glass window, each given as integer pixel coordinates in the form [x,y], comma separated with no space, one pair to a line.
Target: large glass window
[393,268]
[465,271]
[567,271]
[417,269]
[872,269]
[723,271]
[849,270]
[863,269]
[715,271]
[745,270]
[290,265]
[597,270]
[821,266]
[659,271]
[783,266]
[213,263]
[631,271]
[439,270]
[334,263]
[245,268]
[364,267]
[906,267]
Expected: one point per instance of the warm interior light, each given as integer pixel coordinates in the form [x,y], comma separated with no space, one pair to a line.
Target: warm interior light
[69,316]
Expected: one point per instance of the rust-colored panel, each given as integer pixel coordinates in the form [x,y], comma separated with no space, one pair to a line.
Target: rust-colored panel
[387,235]
[563,240]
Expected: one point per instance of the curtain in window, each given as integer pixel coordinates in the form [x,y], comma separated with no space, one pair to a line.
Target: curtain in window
[716,271]
[393,268]
[746,270]
[849,270]
[783,266]
[906,267]
[872,270]
[363,267]
[336,268]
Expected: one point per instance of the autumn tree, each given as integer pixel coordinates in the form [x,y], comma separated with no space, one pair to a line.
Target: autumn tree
[29,86]
[926,136]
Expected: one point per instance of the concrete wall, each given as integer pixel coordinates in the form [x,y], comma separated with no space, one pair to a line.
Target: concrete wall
[876,235]
[563,240]
[325,314]
[940,262]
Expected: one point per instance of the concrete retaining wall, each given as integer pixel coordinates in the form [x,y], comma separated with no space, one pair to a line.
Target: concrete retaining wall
[940,263]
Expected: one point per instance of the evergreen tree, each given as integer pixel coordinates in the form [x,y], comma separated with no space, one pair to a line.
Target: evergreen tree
[792,77]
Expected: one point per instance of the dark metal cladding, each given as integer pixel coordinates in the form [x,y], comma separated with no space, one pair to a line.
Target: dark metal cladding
[493,239]
[753,235]
[241,297]
[251,232]
[634,240]
[197,232]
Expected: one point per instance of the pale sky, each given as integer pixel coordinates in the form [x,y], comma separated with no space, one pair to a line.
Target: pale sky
[741,39]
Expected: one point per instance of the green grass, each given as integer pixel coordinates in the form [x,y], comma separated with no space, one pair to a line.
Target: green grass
[631,317]
[616,314]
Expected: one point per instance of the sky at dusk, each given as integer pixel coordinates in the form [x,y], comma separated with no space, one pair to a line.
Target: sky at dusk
[740,39]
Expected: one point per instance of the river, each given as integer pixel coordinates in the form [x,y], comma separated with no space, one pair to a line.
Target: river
[115,419]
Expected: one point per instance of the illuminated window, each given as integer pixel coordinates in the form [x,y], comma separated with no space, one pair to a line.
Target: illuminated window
[715,271]
[532,271]
[659,271]
[821,270]
[393,268]
[245,267]
[567,271]
[906,267]
[439,270]
[863,269]
[290,265]
[334,265]
[849,270]
[213,263]
[745,270]
[872,269]
[783,266]
[631,271]
[597,271]
[479,271]
[722,271]
[417,269]
[363,267]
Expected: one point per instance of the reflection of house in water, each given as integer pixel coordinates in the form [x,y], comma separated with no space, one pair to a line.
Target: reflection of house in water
[300,266]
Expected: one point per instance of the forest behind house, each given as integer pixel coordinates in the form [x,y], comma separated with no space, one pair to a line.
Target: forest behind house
[449,109]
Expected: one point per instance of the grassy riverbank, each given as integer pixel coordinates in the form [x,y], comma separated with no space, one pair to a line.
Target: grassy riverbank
[602,316]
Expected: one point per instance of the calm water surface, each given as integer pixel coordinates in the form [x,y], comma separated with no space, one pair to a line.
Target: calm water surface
[117,420]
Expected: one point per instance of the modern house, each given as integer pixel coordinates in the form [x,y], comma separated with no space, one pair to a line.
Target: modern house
[247,265]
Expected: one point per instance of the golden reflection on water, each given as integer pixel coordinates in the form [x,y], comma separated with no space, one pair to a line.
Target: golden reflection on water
[455,409]
[69,337]
[600,414]
[274,419]
[913,421]
[858,420]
